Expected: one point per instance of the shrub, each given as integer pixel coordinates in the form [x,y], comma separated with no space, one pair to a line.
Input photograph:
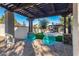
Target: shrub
[39,35]
[59,38]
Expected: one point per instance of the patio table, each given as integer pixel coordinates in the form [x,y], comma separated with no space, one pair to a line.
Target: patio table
[2,38]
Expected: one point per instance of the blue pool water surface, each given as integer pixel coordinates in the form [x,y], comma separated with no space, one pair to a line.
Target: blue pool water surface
[30,37]
[49,40]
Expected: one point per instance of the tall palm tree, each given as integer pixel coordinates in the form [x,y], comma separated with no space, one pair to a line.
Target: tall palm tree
[35,27]
[43,24]
[2,19]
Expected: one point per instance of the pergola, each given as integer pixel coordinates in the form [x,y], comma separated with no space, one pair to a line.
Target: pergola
[39,10]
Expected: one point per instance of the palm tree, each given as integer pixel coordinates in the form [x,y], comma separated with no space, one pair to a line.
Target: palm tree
[35,27]
[43,24]
[2,19]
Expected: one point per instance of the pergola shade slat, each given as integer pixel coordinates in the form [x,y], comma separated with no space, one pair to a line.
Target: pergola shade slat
[38,10]
[34,11]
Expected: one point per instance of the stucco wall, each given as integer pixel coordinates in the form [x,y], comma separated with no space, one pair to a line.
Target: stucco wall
[2,30]
[21,32]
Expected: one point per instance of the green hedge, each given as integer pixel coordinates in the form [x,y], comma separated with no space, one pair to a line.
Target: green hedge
[59,38]
[39,35]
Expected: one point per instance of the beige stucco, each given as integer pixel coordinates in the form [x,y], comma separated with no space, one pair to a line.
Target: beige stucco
[76,30]
[2,30]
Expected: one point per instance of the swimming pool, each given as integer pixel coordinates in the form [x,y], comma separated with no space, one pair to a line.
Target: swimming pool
[47,39]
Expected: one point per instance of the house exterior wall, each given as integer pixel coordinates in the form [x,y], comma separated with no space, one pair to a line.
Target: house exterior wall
[21,32]
[2,30]
[75,32]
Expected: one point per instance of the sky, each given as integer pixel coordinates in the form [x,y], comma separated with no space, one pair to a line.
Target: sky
[54,19]
[19,18]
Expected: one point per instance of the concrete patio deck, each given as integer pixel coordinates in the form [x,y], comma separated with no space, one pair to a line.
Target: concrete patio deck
[59,49]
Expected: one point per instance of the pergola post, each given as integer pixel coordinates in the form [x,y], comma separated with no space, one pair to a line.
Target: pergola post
[30,25]
[67,37]
[9,23]
[69,24]
[65,34]
[64,24]
[75,29]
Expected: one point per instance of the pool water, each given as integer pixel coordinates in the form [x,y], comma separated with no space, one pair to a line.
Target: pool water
[49,40]
[30,37]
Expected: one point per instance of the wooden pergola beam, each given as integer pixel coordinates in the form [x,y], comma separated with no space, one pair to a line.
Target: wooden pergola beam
[27,5]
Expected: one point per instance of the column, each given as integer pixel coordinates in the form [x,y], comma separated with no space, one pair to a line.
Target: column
[69,30]
[75,29]
[9,23]
[66,36]
[69,24]
[64,24]
[30,24]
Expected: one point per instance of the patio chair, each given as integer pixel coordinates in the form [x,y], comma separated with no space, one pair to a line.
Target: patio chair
[10,41]
[41,49]
[2,44]
[11,48]
[19,47]
[2,41]
[37,45]
[16,50]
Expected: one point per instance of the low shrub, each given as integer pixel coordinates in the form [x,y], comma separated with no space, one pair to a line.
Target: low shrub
[39,35]
[59,38]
